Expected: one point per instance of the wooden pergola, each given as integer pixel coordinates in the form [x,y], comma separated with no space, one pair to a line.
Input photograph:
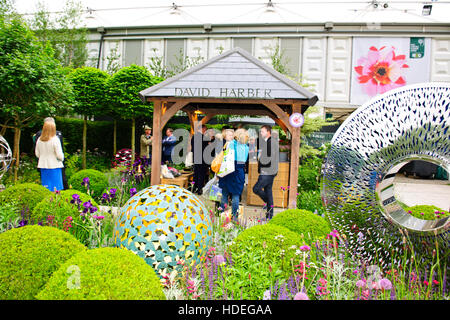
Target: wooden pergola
[233,83]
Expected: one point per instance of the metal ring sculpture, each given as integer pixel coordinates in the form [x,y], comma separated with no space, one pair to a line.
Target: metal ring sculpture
[404,124]
[5,156]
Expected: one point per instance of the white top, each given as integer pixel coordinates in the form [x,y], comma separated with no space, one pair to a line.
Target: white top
[50,153]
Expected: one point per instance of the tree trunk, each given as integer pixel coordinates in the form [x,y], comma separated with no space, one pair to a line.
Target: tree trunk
[133,132]
[115,138]
[84,142]
[16,152]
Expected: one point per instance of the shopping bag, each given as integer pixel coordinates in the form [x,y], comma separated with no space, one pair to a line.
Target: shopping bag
[227,166]
[208,185]
[189,162]
[217,161]
[215,193]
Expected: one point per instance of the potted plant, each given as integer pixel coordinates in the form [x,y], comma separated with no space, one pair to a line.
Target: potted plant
[285,147]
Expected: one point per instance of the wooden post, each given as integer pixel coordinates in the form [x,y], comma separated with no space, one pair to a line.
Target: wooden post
[293,170]
[156,143]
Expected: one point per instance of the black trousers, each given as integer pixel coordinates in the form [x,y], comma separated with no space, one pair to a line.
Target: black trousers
[200,175]
[263,188]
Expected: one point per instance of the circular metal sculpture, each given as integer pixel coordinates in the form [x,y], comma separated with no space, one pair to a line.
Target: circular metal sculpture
[404,124]
[5,156]
[164,224]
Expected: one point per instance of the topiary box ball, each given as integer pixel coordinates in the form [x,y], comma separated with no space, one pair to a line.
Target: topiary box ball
[164,224]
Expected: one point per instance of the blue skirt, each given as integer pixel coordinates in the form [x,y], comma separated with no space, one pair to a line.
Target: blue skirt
[52,179]
[234,182]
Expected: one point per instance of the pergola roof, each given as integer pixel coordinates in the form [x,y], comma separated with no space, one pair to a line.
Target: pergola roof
[235,74]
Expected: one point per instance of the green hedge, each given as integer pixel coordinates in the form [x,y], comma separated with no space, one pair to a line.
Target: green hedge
[26,195]
[59,206]
[97,182]
[105,274]
[311,226]
[427,212]
[29,256]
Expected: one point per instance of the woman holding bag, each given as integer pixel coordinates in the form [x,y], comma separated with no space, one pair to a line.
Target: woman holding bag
[233,183]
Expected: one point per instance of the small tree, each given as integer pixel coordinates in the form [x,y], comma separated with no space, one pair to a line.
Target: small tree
[34,84]
[123,89]
[66,32]
[89,85]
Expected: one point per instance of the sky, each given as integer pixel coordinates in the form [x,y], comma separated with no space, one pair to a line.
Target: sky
[109,13]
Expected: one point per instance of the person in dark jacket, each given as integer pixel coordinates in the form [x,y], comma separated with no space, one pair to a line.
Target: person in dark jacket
[60,136]
[168,143]
[198,145]
[268,159]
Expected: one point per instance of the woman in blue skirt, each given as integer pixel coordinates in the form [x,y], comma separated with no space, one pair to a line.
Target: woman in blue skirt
[51,157]
[233,183]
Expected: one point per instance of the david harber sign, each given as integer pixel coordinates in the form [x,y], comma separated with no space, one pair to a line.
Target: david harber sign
[251,93]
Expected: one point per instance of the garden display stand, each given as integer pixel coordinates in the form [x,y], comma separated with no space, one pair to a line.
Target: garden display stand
[233,83]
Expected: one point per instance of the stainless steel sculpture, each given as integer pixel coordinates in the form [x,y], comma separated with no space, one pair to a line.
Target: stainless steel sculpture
[5,156]
[408,123]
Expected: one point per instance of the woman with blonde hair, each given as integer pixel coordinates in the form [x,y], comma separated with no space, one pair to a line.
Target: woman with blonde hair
[51,157]
[233,183]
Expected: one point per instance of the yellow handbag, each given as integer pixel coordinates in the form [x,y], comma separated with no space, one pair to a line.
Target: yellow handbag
[217,162]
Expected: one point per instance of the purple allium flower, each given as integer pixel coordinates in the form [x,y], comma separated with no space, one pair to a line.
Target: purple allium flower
[219,259]
[133,191]
[301,296]
[385,284]
[361,283]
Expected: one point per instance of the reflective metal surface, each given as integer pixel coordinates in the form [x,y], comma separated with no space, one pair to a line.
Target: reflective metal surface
[5,156]
[408,123]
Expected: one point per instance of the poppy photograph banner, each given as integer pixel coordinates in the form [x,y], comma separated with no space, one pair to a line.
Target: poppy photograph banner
[382,64]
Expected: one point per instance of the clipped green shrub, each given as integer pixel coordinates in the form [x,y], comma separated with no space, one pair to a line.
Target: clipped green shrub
[105,274]
[310,225]
[24,195]
[267,238]
[60,207]
[427,212]
[97,182]
[29,256]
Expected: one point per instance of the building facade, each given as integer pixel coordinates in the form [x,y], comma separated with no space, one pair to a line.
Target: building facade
[325,55]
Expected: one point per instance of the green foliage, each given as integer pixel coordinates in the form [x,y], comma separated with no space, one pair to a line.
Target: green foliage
[267,237]
[123,88]
[310,225]
[64,31]
[9,216]
[427,212]
[105,274]
[97,182]
[89,88]
[29,257]
[24,195]
[309,171]
[182,63]
[310,200]
[34,84]
[59,206]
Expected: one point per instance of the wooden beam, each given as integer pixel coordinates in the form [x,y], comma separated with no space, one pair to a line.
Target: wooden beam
[226,100]
[170,111]
[293,170]
[283,116]
[156,143]
[280,123]
[236,111]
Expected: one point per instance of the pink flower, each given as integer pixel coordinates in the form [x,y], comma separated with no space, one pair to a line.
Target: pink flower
[305,248]
[322,281]
[301,296]
[381,70]
[361,283]
[385,284]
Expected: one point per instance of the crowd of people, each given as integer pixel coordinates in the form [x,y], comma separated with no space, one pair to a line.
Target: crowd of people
[205,146]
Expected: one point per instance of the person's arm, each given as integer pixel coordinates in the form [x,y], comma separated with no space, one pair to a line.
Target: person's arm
[58,150]
[37,152]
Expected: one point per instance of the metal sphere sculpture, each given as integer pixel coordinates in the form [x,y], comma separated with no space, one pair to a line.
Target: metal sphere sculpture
[404,124]
[164,224]
[5,156]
